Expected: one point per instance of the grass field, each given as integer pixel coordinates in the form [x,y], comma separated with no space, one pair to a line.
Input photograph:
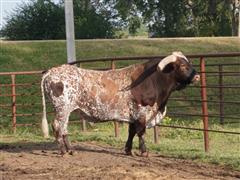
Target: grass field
[39,55]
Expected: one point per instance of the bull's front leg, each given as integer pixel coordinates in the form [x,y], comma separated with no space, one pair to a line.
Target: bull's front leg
[140,130]
[131,134]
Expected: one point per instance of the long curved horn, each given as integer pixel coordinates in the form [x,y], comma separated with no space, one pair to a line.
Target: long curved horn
[164,62]
[169,59]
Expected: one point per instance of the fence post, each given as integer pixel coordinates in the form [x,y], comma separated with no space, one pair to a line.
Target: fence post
[116,124]
[14,122]
[204,103]
[156,134]
[221,105]
[83,121]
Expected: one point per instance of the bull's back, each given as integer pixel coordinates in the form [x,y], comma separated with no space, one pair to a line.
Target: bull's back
[97,93]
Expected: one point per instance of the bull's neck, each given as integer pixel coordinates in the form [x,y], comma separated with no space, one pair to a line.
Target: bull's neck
[166,85]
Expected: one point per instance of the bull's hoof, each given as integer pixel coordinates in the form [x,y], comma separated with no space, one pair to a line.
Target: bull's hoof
[144,154]
[71,152]
[128,153]
[141,154]
[61,153]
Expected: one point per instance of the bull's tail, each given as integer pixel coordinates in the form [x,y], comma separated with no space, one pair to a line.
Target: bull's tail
[44,115]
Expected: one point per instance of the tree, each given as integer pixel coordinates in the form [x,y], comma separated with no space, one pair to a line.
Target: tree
[89,23]
[211,18]
[39,19]
[174,18]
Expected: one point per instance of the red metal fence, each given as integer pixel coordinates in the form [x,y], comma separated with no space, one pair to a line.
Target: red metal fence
[207,69]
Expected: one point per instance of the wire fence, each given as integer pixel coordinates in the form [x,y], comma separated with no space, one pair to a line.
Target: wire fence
[216,98]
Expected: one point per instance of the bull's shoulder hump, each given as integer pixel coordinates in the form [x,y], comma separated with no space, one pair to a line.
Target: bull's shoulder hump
[63,69]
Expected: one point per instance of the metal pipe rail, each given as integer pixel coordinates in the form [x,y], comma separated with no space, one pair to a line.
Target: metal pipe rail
[130,58]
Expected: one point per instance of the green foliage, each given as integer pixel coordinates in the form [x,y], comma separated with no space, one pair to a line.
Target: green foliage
[89,24]
[174,18]
[211,18]
[134,24]
[38,19]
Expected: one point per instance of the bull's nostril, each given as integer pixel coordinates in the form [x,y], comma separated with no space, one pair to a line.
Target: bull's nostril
[197,77]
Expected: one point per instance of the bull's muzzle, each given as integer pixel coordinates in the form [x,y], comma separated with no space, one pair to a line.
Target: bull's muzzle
[196,78]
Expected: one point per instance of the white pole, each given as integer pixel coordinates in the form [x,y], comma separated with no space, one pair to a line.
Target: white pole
[69,21]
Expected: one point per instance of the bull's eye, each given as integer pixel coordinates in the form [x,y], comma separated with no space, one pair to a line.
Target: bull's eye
[184,67]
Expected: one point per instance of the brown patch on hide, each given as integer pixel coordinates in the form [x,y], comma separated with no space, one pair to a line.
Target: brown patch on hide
[57,88]
[93,91]
[115,101]
[110,89]
[137,72]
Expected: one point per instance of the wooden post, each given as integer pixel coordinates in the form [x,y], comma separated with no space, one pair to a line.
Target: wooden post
[84,126]
[221,105]
[116,124]
[156,134]
[82,120]
[14,119]
[204,103]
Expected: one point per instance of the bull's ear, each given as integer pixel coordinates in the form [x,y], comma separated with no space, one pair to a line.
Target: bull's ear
[190,61]
[169,68]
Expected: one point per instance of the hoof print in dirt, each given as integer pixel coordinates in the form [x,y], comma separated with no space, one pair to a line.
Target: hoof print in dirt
[71,153]
[144,154]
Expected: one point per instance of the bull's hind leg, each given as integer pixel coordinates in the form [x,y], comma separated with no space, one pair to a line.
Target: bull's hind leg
[56,126]
[60,132]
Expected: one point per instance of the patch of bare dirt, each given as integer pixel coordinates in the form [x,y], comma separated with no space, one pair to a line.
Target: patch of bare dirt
[93,161]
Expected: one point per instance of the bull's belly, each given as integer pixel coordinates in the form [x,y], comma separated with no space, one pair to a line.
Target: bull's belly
[101,113]
[125,112]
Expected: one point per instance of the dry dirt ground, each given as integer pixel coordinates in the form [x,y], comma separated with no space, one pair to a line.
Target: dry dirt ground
[94,161]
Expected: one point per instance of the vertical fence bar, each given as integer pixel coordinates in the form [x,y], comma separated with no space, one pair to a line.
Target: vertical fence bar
[83,121]
[116,124]
[204,103]
[84,126]
[221,105]
[156,134]
[14,119]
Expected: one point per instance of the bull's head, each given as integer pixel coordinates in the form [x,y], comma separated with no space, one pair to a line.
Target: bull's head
[180,67]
